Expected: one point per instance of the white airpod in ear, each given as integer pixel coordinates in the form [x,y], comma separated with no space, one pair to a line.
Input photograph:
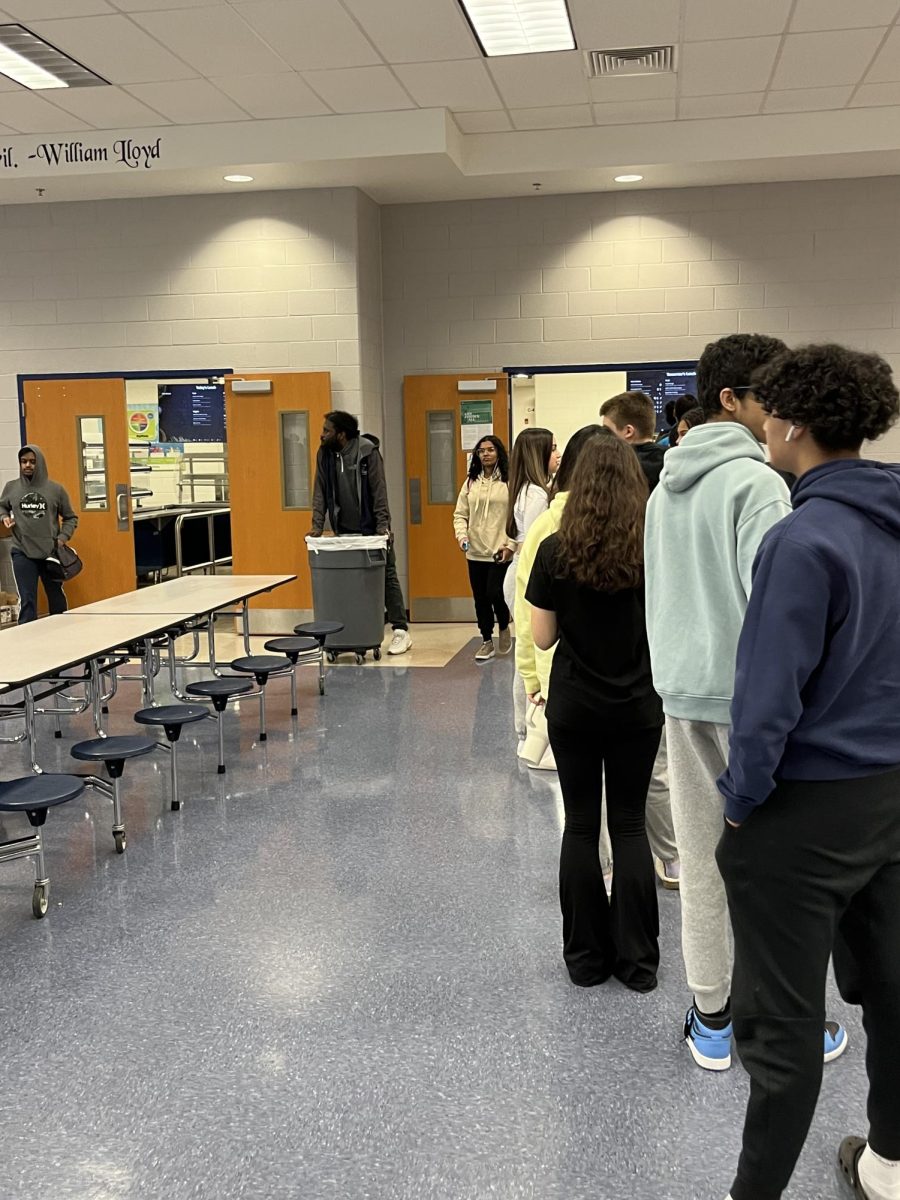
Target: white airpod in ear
[789,436]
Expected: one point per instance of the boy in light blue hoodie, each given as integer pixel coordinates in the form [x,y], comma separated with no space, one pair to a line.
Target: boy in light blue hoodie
[716,498]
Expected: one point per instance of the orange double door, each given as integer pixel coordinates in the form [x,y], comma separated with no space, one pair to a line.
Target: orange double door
[439,420]
[273,438]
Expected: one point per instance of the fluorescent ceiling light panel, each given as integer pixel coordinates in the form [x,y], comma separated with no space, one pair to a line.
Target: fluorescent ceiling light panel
[520,26]
[35,64]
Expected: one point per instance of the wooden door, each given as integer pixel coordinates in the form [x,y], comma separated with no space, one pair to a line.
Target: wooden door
[436,466]
[273,440]
[80,424]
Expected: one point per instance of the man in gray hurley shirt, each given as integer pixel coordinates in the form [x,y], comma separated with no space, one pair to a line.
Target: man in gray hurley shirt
[350,490]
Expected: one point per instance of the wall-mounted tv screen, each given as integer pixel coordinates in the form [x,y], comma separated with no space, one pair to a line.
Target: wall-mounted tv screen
[663,384]
[191,412]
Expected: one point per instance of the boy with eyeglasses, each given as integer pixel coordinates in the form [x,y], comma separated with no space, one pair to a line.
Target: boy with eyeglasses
[716,498]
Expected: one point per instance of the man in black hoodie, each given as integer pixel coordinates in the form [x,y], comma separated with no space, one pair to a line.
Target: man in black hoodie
[39,514]
[351,490]
[632,417]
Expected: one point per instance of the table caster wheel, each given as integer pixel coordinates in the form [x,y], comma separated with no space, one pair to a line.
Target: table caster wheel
[360,657]
[376,654]
[120,841]
[331,655]
[40,899]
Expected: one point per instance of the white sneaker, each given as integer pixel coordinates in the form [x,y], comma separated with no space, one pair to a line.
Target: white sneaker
[400,642]
[668,874]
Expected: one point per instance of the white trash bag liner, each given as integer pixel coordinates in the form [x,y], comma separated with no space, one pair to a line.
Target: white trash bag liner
[352,541]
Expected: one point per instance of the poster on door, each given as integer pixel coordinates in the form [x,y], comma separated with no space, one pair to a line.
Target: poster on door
[476,420]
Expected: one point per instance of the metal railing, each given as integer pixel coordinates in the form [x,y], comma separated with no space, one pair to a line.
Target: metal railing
[209,514]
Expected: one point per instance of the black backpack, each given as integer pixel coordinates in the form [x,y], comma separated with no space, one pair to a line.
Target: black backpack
[63,563]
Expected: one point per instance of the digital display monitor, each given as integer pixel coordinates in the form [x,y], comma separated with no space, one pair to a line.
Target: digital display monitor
[191,412]
[663,384]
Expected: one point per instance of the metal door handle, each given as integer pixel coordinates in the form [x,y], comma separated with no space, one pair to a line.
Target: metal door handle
[122,514]
[415,501]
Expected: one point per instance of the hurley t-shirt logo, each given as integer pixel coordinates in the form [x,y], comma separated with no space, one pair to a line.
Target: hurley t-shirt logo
[33,505]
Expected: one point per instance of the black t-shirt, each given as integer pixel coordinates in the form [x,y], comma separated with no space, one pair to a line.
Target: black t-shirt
[601,668]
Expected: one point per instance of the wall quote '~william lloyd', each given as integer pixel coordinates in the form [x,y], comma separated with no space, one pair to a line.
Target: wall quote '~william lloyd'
[124,151]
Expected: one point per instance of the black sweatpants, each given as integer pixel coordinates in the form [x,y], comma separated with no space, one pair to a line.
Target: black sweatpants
[393,593]
[815,870]
[27,572]
[486,579]
[599,938]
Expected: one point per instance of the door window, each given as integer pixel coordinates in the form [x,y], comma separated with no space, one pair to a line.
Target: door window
[441,428]
[94,484]
[295,481]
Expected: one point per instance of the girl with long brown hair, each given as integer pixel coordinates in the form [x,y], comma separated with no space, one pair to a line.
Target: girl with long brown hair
[532,465]
[604,718]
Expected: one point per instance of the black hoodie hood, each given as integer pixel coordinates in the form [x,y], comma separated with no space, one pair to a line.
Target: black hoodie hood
[873,488]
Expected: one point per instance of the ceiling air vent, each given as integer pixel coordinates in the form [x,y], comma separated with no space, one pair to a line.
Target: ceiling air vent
[635,60]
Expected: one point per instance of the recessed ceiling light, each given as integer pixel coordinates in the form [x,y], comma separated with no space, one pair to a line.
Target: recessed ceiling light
[629,178]
[238,178]
[35,64]
[519,26]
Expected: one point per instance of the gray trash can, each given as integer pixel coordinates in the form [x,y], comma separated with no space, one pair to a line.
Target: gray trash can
[348,586]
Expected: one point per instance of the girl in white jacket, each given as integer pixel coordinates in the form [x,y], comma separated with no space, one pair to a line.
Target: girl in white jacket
[479,524]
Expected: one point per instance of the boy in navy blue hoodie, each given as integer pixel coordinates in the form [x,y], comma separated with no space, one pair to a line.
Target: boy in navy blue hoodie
[810,854]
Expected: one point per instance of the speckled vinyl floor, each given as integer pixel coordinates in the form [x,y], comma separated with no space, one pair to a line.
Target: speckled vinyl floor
[336,975]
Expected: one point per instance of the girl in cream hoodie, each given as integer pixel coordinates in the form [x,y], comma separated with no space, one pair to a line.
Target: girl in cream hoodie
[479,523]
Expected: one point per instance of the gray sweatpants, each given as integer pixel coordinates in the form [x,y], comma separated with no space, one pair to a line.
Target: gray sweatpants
[698,754]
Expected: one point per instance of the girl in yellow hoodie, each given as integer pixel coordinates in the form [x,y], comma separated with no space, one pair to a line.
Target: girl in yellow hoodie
[479,523]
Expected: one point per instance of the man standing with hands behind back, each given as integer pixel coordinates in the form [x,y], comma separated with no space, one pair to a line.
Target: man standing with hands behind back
[39,514]
[350,489]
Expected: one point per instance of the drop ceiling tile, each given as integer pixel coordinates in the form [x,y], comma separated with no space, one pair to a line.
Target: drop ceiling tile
[115,48]
[807,99]
[742,104]
[529,80]
[810,59]
[187,101]
[215,41]
[839,14]
[43,10]
[106,108]
[718,68]
[875,95]
[634,112]
[613,26]
[415,30]
[710,20]
[482,122]
[886,67]
[564,116]
[28,112]
[367,89]
[272,96]
[458,85]
[310,34]
[633,87]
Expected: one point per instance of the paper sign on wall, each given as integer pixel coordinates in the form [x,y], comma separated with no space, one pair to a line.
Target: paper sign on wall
[476,420]
[143,423]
